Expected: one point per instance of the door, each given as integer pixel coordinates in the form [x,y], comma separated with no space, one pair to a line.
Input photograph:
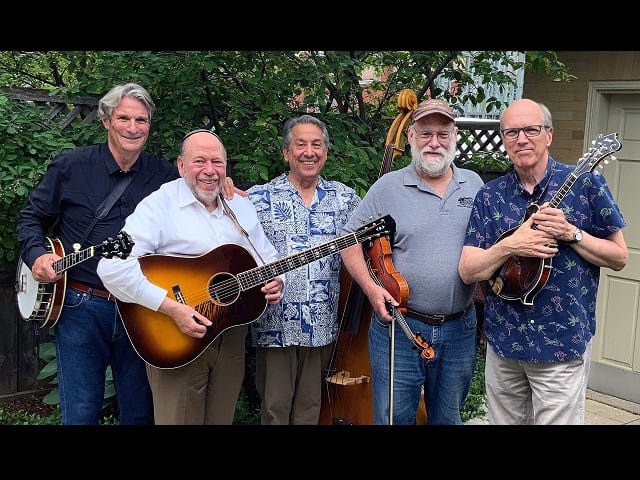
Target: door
[615,366]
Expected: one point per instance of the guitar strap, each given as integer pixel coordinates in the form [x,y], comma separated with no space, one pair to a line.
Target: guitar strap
[107,204]
[229,212]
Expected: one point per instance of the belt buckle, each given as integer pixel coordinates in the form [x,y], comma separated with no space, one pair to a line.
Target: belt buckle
[439,319]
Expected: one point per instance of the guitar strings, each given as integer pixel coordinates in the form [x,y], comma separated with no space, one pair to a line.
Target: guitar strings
[230,288]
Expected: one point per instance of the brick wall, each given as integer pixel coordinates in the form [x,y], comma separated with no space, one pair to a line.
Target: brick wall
[568,101]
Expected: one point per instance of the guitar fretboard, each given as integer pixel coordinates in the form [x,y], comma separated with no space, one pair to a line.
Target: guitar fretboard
[72,259]
[260,275]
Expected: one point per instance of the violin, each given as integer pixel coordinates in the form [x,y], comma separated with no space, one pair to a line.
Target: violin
[382,270]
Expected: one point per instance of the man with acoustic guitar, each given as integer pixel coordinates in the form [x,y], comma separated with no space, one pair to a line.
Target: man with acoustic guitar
[189,217]
[430,200]
[539,235]
[89,333]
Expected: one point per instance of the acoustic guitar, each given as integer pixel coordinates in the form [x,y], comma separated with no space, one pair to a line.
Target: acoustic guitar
[42,302]
[521,278]
[222,285]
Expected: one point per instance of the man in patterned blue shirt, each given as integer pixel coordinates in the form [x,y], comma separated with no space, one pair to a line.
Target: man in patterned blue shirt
[300,210]
[540,348]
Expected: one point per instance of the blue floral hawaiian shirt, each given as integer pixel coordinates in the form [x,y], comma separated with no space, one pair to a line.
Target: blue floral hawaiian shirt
[562,319]
[307,313]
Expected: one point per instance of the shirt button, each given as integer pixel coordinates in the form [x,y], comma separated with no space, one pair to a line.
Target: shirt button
[532,321]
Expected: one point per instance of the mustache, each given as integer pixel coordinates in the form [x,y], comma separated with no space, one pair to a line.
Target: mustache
[427,149]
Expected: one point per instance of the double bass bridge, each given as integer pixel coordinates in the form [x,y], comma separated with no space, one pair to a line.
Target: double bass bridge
[344,378]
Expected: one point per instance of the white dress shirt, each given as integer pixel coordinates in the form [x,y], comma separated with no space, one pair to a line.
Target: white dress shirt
[172,221]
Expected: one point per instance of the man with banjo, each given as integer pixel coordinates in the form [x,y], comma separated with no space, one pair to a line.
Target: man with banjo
[85,196]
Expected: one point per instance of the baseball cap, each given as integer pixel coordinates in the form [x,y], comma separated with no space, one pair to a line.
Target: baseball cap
[431,106]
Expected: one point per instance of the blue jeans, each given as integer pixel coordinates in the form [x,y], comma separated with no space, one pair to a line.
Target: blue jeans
[90,336]
[446,378]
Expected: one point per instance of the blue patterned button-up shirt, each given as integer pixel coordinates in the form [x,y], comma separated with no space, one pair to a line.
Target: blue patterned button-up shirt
[562,319]
[307,313]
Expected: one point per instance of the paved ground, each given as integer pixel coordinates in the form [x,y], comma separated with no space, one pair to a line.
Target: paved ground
[601,410]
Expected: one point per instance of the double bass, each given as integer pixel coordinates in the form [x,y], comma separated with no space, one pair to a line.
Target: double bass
[347,398]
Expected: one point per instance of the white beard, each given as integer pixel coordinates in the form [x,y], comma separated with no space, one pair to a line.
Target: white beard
[433,168]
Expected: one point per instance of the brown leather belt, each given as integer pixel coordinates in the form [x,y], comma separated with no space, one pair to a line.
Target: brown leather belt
[436,319]
[81,287]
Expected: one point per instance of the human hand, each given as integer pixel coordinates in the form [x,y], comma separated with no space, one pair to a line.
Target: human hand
[381,301]
[273,290]
[186,318]
[528,241]
[42,269]
[228,189]
[553,222]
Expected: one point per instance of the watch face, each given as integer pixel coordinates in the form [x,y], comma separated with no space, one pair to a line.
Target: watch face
[578,235]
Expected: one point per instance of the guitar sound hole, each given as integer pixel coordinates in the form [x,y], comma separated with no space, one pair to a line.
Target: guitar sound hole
[224,289]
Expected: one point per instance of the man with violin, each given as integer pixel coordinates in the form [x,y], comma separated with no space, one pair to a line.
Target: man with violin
[431,201]
[539,235]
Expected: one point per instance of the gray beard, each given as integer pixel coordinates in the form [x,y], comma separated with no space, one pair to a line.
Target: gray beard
[432,170]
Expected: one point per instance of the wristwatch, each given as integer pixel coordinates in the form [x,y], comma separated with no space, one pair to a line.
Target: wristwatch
[577,236]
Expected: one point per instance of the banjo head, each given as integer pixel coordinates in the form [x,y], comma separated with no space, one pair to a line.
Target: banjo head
[26,292]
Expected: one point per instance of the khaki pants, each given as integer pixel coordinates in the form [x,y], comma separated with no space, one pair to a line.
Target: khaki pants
[205,391]
[289,381]
[526,393]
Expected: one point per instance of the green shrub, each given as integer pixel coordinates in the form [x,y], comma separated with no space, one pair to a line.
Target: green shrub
[477,398]
[482,162]
[50,371]
[23,418]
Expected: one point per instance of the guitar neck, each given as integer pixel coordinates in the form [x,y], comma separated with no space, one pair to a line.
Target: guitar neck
[68,261]
[260,275]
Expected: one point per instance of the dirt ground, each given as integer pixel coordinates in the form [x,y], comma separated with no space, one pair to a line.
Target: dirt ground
[29,403]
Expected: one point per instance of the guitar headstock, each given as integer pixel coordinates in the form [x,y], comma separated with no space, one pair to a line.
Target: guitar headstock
[120,246]
[603,146]
[383,226]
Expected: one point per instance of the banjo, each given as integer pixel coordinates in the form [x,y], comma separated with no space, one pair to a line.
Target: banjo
[42,301]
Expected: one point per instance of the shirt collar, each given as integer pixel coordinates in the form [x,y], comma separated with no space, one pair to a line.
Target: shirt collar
[411,176]
[542,183]
[186,198]
[113,168]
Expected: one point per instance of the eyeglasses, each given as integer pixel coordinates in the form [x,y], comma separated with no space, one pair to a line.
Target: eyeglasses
[529,131]
[426,135]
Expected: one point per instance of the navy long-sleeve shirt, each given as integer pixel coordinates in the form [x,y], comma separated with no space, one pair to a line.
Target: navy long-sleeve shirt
[75,184]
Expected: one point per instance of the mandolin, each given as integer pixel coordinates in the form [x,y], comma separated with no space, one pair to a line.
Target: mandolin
[522,278]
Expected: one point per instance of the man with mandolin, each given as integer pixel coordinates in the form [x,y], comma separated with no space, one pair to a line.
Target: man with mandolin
[430,200]
[89,333]
[539,235]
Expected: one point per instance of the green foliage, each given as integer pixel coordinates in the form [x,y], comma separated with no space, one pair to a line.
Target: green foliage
[244,96]
[50,371]
[483,162]
[24,418]
[475,405]
[246,413]
[28,142]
